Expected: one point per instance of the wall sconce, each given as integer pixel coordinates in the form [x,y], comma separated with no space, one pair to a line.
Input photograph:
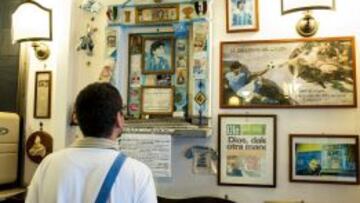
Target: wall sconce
[306,26]
[33,22]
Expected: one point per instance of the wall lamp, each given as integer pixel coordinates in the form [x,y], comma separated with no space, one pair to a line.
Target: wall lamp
[33,22]
[307,26]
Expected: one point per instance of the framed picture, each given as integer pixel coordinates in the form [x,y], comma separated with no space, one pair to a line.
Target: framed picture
[289,6]
[291,73]
[242,15]
[324,159]
[158,14]
[247,145]
[42,103]
[158,55]
[157,100]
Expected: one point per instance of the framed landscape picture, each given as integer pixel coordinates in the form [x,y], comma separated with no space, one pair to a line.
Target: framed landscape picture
[324,158]
[247,146]
[158,55]
[242,15]
[291,73]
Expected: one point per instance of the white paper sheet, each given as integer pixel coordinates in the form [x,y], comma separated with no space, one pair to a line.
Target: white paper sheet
[151,149]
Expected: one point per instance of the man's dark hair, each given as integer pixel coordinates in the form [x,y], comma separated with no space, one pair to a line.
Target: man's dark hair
[237,65]
[155,46]
[241,2]
[96,109]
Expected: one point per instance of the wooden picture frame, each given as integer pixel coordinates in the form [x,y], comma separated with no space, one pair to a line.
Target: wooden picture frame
[157,15]
[288,73]
[247,150]
[289,6]
[157,100]
[42,98]
[158,55]
[242,15]
[318,158]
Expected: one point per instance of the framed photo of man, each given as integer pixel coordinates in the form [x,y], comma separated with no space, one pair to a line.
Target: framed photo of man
[242,15]
[289,73]
[158,55]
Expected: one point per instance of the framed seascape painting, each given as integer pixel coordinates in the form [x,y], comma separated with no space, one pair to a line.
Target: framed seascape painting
[158,55]
[242,15]
[324,159]
[291,73]
[247,146]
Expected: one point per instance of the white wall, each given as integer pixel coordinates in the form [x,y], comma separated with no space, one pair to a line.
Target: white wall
[331,121]
[73,74]
[60,63]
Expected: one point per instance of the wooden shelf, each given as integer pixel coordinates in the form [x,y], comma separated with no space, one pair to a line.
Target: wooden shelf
[132,4]
[5,194]
[173,127]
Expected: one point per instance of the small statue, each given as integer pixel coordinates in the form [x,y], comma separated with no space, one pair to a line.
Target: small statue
[92,6]
[37,148]
[86,41]
[107,72]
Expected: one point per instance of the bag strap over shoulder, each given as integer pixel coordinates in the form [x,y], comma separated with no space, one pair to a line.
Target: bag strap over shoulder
[110,179]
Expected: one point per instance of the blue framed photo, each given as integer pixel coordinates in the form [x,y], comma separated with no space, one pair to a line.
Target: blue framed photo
[324,158]
[158,55]
[242,15]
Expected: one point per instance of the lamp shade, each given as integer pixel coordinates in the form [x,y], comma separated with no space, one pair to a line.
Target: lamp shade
[289,6]
[31,22]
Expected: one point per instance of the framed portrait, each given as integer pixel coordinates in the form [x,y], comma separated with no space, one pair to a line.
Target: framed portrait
[247,146]
[291,73]
[42,103]
[157,100]
[324,158]
[242,15]
[157,15]
[289,6]
[158,55]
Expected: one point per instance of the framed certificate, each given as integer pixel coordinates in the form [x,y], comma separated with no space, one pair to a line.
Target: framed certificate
[157,100]
[42,104]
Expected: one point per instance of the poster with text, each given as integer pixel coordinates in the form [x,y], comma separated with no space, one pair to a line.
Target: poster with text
[152,149]
[247,150]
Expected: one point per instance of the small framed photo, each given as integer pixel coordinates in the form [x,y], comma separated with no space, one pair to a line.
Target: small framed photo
[156,100]
[157,15]
[42,103]
[242,15]
[247,146]
[289,6]
[158,55]
[324,158]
